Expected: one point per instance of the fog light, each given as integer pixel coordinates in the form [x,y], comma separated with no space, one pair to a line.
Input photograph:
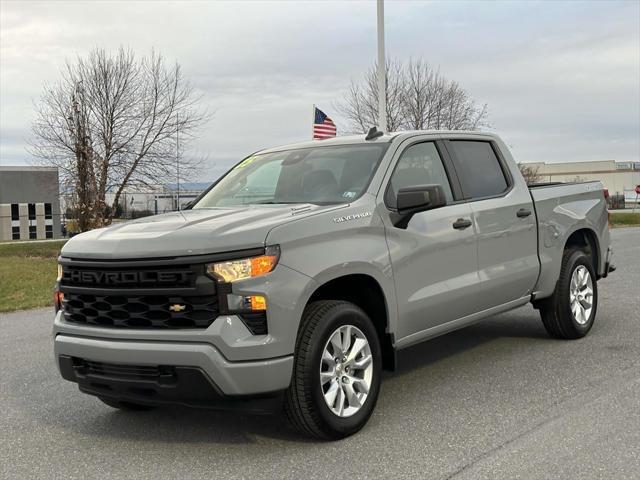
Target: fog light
[258,302]
[249,303]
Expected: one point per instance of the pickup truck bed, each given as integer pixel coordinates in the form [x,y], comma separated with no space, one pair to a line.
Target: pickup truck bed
[561,209]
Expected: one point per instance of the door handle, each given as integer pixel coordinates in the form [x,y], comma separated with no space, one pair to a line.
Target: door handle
[462,223]
[523,212]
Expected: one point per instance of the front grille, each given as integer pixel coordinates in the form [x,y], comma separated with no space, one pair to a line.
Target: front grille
[140,311]
[114,370]
[171,293]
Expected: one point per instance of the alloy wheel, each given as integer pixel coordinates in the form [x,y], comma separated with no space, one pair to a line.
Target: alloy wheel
[346,371]
[581,294]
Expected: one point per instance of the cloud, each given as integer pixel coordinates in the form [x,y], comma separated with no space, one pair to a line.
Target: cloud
[562,79]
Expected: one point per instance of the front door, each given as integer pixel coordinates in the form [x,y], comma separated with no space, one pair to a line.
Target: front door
[434,259]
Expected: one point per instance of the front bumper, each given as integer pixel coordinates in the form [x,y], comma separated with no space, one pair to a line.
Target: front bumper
[233,361]
[194,374]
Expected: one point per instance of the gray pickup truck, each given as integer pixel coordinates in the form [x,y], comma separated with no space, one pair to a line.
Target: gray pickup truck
[297,276]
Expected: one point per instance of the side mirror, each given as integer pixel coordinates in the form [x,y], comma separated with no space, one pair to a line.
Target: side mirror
[412,200]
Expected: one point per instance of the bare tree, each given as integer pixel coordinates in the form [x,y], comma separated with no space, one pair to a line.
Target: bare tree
[360,106]
[530,173]
[418,98]
[112,122]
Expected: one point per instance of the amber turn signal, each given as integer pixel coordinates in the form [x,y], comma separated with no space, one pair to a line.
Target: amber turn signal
[58,297]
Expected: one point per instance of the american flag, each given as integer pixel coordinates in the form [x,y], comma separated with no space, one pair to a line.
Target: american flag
[323,126]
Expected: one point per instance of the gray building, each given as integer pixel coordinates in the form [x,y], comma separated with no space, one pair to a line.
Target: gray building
[29,203]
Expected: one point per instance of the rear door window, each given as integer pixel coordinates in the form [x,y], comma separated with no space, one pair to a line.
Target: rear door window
[478,168]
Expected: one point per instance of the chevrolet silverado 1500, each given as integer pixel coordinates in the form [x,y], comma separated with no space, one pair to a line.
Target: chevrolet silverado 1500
[301,272]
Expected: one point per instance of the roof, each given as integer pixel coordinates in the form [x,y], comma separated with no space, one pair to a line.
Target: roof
[385,138]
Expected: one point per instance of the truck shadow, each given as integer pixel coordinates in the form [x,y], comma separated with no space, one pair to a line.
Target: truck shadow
[89,417]
[517,325]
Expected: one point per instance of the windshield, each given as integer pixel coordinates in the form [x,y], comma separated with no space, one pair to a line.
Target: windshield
[320,175]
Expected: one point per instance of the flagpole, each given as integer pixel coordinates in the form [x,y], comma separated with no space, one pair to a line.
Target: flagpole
[313,118]
[382,97]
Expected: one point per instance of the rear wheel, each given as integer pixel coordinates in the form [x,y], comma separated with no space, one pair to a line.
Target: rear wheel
[570,312]
[121,405]
[337,368]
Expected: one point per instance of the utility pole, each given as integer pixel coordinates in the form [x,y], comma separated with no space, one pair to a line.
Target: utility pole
[382,96]
[177,165]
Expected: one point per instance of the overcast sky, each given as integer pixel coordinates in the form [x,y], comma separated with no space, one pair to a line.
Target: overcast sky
[562,79]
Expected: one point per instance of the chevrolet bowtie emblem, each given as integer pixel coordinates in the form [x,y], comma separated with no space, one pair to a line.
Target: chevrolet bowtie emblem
[176,307]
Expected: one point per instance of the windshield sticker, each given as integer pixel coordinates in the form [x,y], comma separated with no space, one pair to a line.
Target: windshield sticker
[349,194]
[246,161]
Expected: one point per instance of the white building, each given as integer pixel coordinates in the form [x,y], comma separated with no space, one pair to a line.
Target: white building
[159,199]
[618,177]
[29,203]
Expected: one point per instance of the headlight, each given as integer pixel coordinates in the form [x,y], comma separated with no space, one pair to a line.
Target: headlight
[234,270]
[59,273]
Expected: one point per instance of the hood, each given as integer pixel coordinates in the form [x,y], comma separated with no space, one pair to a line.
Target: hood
[190,232]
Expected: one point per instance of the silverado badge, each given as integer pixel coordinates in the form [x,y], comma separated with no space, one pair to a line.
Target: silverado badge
[353,216]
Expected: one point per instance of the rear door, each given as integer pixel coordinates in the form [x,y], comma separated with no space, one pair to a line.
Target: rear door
[503,218]
[434,259]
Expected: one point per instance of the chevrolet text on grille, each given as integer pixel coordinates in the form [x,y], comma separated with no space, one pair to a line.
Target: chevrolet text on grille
[118,278]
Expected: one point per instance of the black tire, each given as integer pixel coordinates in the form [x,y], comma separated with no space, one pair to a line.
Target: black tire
[557,317]
[121,405]
[304,404]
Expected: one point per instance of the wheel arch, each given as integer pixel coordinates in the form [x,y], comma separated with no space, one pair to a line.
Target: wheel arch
[586,239]
[364,291]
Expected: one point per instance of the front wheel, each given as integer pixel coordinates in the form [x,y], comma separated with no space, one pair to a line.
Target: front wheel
[570,312]
[336,374]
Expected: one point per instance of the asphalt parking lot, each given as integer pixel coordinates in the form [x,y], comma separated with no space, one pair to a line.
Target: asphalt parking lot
[496,400]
